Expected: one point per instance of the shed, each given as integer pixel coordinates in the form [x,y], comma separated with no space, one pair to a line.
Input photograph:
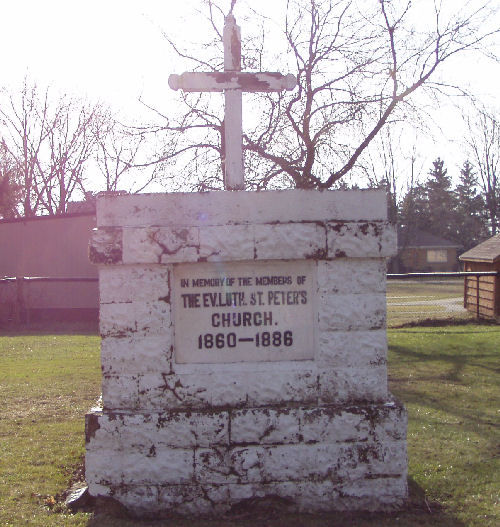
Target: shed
[48,246]
[482,293]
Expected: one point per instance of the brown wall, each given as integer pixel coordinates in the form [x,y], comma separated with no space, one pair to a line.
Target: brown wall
[53,247]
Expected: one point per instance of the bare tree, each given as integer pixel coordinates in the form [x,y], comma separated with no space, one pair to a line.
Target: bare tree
[358,64]
[120,157]
[50,142]
[484,145]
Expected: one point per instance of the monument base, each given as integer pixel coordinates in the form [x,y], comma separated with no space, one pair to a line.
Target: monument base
[244,353]
[311,459]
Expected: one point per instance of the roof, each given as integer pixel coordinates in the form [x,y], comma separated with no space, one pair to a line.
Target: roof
[423,239]
[77,207]
[26,219]
[487,251]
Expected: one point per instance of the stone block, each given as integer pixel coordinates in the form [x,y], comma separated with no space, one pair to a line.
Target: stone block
[135,318]
[160,245]
[265,426]
[352,311]
[127,432]
[193,499]
[120,391]
[295,496]
[226,242]
[222,466]
[390,458]
[133,283]
[223,208]
[110,467]
[319,496]
[135,355]
[343,275]
[312,462]
[268,388]
[373,494]
[392,422]
[192,429]
[96,489]
[290,241]
[361,239]
[141,500]
[162,390]
[353,384]
[338,461]
[377,486]
[218,389]
[354,349]
[106,246]
[334,424]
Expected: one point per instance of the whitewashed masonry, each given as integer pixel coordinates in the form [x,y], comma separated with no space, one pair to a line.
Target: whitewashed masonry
[315,428]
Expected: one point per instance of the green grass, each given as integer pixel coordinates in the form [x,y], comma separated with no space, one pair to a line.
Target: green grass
[449,380]
[448,377]
[47,383]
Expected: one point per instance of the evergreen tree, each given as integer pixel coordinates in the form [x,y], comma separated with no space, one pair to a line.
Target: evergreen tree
[414,210]
[441,203]
[431,206]
[471,209]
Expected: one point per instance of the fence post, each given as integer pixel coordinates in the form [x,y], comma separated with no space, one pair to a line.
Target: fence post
[20,306]
[477,296]
[466,286]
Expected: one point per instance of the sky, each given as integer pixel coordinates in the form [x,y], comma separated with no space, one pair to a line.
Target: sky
[115,51]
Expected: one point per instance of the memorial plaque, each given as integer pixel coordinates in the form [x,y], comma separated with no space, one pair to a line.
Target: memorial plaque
[244,312]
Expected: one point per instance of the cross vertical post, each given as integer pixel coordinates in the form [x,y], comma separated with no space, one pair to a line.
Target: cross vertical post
[233,129]
[232,82]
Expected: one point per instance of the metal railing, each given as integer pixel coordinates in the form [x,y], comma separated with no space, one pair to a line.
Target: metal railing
[16,303]
[411,297]
[415,297]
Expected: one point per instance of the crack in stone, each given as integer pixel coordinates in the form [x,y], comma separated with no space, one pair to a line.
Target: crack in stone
[181,235]
[205,258]
[173,389]
[267,432]
[204,492]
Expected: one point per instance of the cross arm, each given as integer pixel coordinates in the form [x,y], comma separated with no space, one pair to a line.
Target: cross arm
[230,80]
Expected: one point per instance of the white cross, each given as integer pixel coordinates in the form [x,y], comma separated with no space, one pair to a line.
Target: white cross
[232,82]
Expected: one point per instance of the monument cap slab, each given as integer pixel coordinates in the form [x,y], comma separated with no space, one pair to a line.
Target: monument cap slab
[219,208]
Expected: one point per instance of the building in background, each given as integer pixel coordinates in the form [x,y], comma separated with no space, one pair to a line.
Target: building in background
[53,247]
[420,251]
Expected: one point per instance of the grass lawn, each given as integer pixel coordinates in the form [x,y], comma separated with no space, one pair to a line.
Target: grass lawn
[448,377]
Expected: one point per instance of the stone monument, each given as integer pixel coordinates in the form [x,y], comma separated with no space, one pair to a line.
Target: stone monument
[244,344]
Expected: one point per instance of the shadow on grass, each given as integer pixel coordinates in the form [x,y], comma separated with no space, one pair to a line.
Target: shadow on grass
[451,373]
[456,361]
[418,511]
[446,322]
